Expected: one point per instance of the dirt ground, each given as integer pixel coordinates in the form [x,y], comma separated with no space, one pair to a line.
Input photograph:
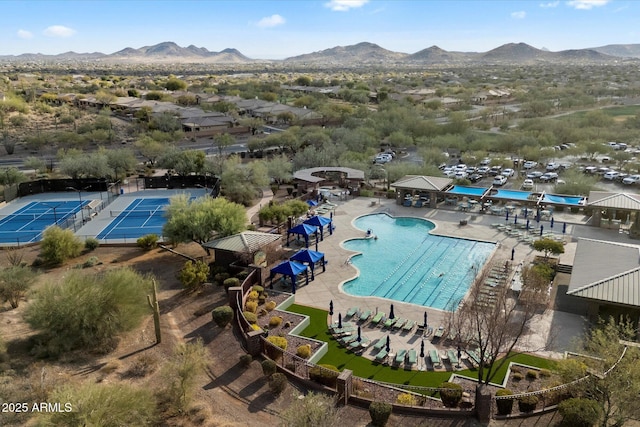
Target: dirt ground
[227,394]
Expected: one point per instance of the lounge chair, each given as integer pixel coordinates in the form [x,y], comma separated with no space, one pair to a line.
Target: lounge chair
[377,318]
[401,356]
[435,359]
[365,315]
[413,357]
[407,203]
[334,325]
[409,325]
[399,323]
[474,356]
[389,322]
[379,345]
[352,311]
[347,330]
[438,333]
[347,339]
[418,204]
[359,345]
[382,356]
[451,355]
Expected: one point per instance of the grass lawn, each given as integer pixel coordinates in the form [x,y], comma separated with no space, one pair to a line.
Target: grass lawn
[362,367]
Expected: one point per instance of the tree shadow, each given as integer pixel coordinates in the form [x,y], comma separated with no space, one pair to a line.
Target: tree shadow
[138,351]
[261,402]
[252,388]
[207,332]
[225,379]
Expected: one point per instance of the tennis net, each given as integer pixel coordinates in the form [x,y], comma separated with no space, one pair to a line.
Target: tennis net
[36,217]
[138,213]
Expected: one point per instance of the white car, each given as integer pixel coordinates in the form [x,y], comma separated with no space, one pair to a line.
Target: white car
[553,166]
[631,179]
[383,158]
[534,175]
[499,180]
[611,175]
[549,176]
[530,164]
[460,174]
[527,184]
[483,170]
[508,172]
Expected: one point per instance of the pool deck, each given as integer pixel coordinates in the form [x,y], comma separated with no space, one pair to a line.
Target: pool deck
[325,287]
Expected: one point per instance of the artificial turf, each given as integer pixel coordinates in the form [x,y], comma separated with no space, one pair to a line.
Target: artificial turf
[362,367]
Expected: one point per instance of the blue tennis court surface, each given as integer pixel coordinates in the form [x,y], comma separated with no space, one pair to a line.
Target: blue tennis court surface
[141,217]
[27,223]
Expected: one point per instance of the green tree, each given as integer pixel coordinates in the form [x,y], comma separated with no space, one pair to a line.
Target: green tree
[220,142]
[165,122]
[279,169]
[549,247]
[240,182]
[185,364]
[9,176]
[577,412]
[183,162]
[121,161]
[193,274]
[78,165]
[106,405]
[36,163]
[150,148]
[15,281]
[315,409]
[173,83]
[201,219]
[59,245]
[88,311]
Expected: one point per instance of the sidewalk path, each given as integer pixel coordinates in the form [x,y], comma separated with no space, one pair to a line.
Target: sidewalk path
[252,212]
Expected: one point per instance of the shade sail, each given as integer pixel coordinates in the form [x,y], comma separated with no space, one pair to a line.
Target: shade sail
[291,269]
[304,230]
[320,222]
[310,257]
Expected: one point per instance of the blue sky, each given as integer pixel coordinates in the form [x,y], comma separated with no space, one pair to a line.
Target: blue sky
[278,29]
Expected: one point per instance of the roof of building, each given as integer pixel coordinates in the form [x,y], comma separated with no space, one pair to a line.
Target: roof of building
[246,242]
[616,280]
[307,174]
[424,183]
[605,199]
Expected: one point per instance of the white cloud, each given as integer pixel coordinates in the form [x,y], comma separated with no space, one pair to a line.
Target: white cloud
[550,4]
[271,21]
[587,4]
[345,5]
[58,31]
[24,34]
[518,15]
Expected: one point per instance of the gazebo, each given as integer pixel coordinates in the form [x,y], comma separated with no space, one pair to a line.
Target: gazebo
[310,257]
[320,222]
[304,230]
[291,269]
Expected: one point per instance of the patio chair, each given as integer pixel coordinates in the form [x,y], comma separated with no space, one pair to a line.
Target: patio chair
[418,204]
[474,357]
[379,345]
[435,359]
[409,325]
[402,354]
[453,358]
[352,311]
[407,203]
[389,322]
[412,357]
[377,318]
[382,356]
[399,323]
[359,345]
[438,333]
[347,339]
[365,315]
[347,330]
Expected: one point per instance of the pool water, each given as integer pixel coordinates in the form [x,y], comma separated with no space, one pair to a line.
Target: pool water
[467,191]
[406,263]
[512,194]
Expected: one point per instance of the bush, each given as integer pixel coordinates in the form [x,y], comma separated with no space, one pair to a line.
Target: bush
[532,375]
[256,327]
[59,245]
[269,367]
[577,412]
[245,360]
[504,405]
[91,243]
[279,344]
[220,278]
[91,262]
[527,403]
[193,274]
[380,413]
[262,312]
[141,367]
[278,383]
[517,376]
[304,351]
[148,242]
[251,317]
[253,296]
[324,374]
[275,321]
[451,394]
[270,306]
[222,315]
[258,289]
[407,399]
[251,306]
[230,282]
[545,373]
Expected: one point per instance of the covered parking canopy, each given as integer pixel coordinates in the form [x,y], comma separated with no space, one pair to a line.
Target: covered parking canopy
[291,269]
[320,222]
[311,258]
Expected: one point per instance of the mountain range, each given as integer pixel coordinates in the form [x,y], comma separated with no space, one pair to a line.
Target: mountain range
[361,53]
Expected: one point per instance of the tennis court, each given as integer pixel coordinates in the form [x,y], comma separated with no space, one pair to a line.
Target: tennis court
[141,217]
[27,223]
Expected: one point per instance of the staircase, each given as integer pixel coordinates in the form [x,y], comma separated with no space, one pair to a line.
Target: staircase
[564,268]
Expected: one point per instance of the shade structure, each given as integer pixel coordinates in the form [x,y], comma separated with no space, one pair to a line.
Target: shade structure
[309,257]
[564,228]
[304,230]
[538,215]
[422,348]
[312,203]
[321,222]
[388,346]
[551,225]
[391,314]
[459,353]
[526,212]
[331,308]
[291,269]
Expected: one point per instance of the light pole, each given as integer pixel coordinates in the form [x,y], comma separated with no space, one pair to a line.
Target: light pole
[80,198]
[55,214]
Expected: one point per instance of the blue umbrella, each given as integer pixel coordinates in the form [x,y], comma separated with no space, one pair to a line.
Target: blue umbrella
[331,308]
[422,349]
[541,229]
[507,216]
[359,335]
[391,315]
[538,216]
[528,224]
[564,228]
[312,203]
[551,222]
[425,319]
[525,212]
[388,347]
[515,219]
[513,252]
[339,320]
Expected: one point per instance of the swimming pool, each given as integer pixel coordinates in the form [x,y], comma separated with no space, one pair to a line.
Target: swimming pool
[406,263]
[467,191]
[512,194]
[564,200]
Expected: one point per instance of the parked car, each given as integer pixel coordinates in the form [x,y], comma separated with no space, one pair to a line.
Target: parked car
[495,170]
[530,164]
[475,177]
[460,174]
[631,179]
[484,170]
[549,176]
[611,175]
[553,166]
[527,184]
[383,158]
[534,175]
[485,162]
[508,172]
[590,170]
[500,180]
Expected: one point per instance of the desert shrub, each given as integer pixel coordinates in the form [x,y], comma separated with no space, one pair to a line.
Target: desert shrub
[256,327]
[532,375]
[242,275]
[251,317]
[314,410]
[253,296]
[141,367]
[222,315]
[230,282]
[91,262]
[251,306]
[407,399]
[148,242]
[102,405]
[527,403]
[304,351]
[245,360]
[275,321]
[261,299]
[193,274]
[270,306]
[324,374]
[91,243]
[258,289]
[88,311]
[269,367]
[59,245]
[179,375]
[286,325]
[380,413]
[451,394]
[279,344]
[577,412]
[220,277]
[504,405]
[545,373]
[517,376]
[278,383]
[262,312]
